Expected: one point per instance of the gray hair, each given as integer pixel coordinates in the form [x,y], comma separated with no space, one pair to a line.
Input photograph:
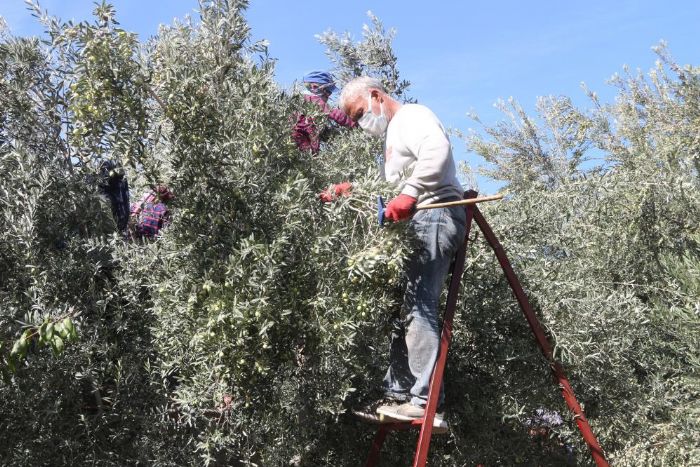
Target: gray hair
[358,86]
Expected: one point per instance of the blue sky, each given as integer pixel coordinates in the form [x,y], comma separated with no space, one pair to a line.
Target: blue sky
[461,56]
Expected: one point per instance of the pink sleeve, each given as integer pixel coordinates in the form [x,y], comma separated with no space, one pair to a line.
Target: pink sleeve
[340,118]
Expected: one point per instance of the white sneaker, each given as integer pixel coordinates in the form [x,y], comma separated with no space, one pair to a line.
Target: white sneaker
[407,412]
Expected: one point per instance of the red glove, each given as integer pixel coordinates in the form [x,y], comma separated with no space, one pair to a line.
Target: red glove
[335,191]
[400,208]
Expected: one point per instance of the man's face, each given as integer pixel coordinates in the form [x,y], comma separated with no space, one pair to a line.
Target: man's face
[356,108]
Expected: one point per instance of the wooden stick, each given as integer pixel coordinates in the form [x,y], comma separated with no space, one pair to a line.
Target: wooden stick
[461,202]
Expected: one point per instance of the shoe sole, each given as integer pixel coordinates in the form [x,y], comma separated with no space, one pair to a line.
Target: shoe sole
[440,427]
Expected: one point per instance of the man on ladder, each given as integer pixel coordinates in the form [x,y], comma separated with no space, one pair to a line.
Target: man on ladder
[418,160]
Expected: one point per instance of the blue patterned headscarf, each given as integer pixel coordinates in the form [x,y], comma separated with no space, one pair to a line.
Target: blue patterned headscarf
[324,80]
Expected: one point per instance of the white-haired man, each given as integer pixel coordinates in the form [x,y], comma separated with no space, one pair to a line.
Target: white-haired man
[418,160]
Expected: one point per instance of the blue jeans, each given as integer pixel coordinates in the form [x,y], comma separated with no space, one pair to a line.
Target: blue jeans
[415,339]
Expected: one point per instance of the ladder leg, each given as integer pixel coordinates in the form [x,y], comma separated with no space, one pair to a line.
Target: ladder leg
[426,430]
[379,438]
[545,346]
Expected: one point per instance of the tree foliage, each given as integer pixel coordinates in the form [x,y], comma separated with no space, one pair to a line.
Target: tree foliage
[609,253]
[245,333]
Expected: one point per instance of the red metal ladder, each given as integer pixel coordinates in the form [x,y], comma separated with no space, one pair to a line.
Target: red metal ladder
[426,423]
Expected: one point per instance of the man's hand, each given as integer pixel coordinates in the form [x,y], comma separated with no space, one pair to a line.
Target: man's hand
[341,189]
[400,208]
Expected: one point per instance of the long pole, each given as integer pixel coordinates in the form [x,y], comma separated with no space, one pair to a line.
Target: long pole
[462,202]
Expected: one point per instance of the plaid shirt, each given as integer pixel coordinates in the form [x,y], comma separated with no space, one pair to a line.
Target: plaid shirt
[154,216]
[151,215]
[136,208]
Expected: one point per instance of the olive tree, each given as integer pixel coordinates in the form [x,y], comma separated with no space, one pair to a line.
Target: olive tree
[245,332]
[609,256]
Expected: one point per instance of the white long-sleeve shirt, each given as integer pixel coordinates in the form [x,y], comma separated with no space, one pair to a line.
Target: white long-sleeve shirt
[418,157]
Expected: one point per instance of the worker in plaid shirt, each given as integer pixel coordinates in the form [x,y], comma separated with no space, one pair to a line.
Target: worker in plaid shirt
[151,214]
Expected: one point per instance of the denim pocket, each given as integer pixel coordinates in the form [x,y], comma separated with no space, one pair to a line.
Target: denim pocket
[452,227]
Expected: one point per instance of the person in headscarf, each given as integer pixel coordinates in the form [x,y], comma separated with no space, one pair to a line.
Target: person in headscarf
[306,132]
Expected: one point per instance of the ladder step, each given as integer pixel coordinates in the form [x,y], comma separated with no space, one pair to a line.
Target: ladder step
[397,425]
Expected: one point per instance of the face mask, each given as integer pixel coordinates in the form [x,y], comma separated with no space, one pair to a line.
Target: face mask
[373,124]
